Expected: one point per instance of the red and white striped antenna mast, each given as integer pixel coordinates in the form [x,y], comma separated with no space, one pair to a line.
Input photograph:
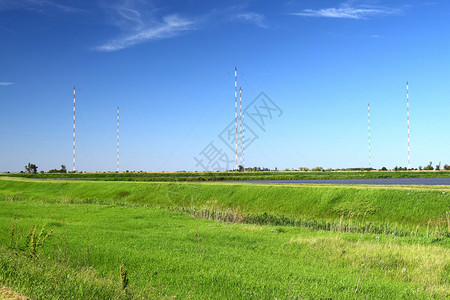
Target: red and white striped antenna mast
[73,157]
[243,140]
[407,114]
[368,114]
[240,123]
[118,139]
[235,113]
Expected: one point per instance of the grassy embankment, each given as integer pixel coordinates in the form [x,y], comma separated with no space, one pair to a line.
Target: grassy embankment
[221,176]
[98,225]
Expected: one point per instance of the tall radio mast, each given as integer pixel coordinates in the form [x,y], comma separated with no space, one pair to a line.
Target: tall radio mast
[407,114]
[73,168]
[235,113]
[117,139]
[368,111]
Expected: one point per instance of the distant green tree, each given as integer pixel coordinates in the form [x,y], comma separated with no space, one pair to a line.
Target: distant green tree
[31,168]
[383,169]
[429,167]
[62,170]
[446,167]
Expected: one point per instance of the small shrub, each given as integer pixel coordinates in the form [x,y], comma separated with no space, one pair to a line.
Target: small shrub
[123,193]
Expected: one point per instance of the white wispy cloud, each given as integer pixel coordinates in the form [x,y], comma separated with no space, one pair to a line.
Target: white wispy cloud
[140,21]
[9,30]
[238,14]
[131,15]
[251,17]
[54,5]
[41,6]
[348,11]
[3,83]
[170,26]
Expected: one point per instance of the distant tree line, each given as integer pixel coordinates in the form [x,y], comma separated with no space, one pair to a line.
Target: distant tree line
[62,170]
[32,169]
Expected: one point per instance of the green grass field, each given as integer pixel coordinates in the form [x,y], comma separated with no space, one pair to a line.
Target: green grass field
[381,242]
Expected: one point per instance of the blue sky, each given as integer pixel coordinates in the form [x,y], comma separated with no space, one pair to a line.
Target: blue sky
[169,66]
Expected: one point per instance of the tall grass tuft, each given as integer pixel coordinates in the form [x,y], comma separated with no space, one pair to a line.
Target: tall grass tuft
[31,240]
[123,276]
[346,223]
[12,233]
[447,213]
[363,269]
[33,243]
